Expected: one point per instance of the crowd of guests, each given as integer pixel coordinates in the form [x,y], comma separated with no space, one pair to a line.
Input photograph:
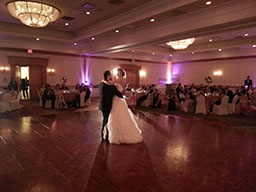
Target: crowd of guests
[78,97]
[186,98]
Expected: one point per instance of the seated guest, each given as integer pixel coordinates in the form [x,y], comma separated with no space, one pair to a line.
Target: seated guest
[229,94]
[13,85]
[64,87]
[141,99]
[88,94]
[244,103]
[13,94]
[60,101]
[43,87]
[76,102]
[248,83]
[48,95]
[157,99]
[128,87]
[189,104]
[77,87]
[132,100]
[172,103]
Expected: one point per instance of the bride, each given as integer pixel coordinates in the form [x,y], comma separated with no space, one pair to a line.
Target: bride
[122,125]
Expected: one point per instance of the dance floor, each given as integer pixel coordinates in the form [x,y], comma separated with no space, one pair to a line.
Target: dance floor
[64,152]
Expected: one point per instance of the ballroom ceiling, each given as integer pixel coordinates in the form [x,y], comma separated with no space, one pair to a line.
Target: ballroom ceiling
[126,25]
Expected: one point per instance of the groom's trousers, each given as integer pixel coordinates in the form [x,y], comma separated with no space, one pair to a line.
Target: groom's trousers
[104,124]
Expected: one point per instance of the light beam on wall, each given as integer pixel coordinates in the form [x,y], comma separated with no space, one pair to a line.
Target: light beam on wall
[169,73]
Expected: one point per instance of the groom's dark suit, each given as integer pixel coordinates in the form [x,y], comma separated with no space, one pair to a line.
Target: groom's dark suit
[107,92]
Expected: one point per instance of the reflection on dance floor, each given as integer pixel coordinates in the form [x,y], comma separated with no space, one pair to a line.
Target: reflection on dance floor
[64,152]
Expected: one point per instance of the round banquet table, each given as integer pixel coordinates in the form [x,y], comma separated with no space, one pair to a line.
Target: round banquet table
[69,96]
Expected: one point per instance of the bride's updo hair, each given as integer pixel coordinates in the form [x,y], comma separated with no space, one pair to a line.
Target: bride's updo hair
[121,71]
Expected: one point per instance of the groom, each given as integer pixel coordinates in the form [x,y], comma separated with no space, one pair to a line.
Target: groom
[107,92]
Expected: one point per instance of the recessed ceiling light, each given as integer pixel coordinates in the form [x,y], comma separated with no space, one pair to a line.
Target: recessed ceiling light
[210,40]
[133,51]
[66,23]
[88,13]
[37,38]
[75,43]
[254,46]
[93,38]
[208,3]
[192,53]
[152,20]
[246,34]
[170,55]
[117,31]
[153,53]
[220,50]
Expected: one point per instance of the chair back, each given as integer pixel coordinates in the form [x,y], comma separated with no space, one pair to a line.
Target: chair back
[235,99]
[224,100]
[18,97]
[6,98]
[39,95]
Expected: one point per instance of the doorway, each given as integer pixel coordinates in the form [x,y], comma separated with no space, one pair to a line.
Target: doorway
[32,68]
[22,77]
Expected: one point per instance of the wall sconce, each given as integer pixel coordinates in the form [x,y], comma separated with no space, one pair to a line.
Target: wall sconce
[217,73]
[142,73]
[4,69]
[51,71]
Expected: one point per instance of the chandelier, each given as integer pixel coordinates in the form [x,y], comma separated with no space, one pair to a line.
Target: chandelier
[33,14]
[181,44]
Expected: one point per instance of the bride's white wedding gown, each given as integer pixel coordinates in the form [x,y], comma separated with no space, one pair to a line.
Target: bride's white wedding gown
[122,126]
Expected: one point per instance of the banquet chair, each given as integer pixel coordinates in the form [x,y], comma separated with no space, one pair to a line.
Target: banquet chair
[5,104]
[231,106]
[82,96]
[223,108]
[48,103]
[200,106]
[15,104]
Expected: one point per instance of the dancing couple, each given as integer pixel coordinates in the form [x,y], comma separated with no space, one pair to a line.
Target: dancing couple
[119,125]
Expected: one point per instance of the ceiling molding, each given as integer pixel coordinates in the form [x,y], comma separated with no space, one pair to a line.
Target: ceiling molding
[227,15]
[142,12]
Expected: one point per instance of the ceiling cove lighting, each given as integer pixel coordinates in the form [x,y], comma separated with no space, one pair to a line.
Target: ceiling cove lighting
[33,14]
[181,44]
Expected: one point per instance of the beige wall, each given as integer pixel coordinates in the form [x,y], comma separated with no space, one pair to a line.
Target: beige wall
[73,68]
[96,68]
[70,67]
[234,71]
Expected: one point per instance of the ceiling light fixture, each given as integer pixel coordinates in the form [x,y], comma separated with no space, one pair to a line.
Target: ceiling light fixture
[152,20]
[75,44]
[37,38]
[170,55]
[33,14]
[153,53]
[220,50]
[133,51]
[117,31]
[67,24]
[254,46]
[88,13]
[93,38]
[208,3]
[210,40]
[246,34]
[193,53]
[181,44]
